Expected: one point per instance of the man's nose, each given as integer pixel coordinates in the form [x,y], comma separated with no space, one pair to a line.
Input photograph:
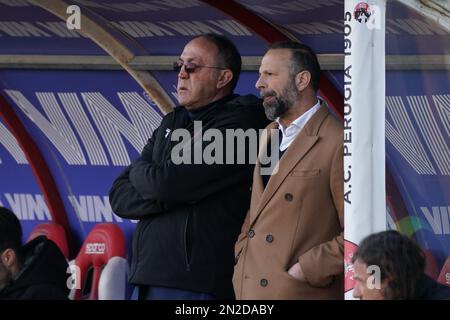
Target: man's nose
[183,74]
[260,84]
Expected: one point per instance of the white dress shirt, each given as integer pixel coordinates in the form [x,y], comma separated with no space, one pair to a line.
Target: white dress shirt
[291,132]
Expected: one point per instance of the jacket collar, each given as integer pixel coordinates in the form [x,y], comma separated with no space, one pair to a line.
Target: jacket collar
[198,113]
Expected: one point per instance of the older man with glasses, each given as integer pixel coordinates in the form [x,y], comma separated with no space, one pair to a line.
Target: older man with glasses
[190,213]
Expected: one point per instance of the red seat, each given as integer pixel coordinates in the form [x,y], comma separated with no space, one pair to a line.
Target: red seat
[54,232]
[444,277]
[103,256]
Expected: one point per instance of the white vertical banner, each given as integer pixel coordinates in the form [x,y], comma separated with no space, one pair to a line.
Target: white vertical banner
[364,117]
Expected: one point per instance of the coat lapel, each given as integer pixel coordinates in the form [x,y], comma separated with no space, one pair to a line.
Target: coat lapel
[302,144]
[258,186]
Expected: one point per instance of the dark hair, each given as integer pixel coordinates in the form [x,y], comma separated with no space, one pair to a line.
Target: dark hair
[399,258]
[229,56]
[303,58]
[10,231]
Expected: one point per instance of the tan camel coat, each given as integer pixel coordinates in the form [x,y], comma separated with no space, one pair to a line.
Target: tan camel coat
[298,217]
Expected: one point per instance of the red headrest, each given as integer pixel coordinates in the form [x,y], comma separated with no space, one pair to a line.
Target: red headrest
[103,242]
[54,232]
[444,277]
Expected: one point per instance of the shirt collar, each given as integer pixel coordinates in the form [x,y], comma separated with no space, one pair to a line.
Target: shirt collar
[300,122]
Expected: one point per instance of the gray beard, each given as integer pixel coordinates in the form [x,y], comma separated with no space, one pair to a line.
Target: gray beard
[275,108]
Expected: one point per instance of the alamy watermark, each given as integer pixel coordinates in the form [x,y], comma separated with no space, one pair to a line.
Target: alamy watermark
[73,22]
[227,146]
[74,280]
[373,281]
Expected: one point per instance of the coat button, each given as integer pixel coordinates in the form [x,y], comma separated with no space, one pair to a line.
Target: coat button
[269,238]
[288,196]
[263,282]
[251,233]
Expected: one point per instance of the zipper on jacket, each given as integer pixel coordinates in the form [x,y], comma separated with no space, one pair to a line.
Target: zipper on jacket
[186,254]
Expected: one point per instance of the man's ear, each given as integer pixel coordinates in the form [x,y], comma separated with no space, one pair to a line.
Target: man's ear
[302,80]
[225,77]
[8,258]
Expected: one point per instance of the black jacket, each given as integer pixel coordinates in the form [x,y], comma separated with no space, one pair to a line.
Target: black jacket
[429,289]
[43,275]
[189,214]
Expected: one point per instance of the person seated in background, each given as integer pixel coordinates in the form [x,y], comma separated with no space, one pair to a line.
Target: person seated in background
[401,273]
[35,271]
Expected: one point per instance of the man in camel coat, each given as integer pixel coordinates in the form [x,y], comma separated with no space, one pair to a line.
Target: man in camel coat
[291,243]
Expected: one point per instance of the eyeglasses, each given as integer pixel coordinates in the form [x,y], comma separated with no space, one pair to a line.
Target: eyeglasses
[190,67]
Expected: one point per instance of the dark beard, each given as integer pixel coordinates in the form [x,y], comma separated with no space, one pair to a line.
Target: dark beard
[6,274]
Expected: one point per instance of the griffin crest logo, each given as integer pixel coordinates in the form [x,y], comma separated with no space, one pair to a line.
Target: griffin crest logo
[362,12]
